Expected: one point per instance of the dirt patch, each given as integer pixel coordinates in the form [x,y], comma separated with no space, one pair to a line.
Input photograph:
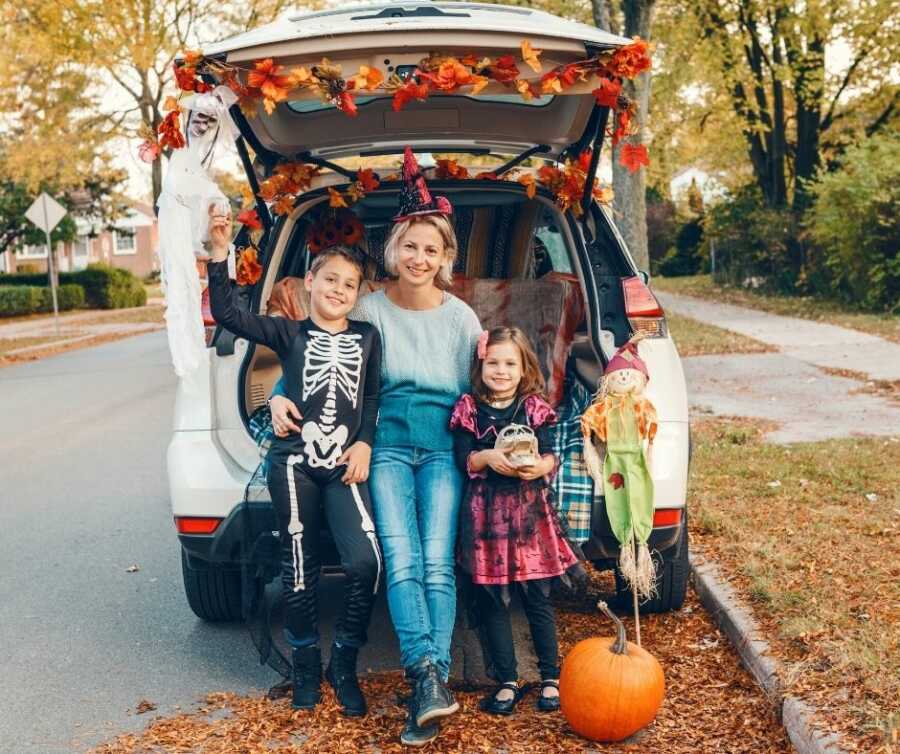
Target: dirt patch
[889,389]
[809,535]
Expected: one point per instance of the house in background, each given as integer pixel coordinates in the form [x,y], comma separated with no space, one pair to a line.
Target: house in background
[132,246]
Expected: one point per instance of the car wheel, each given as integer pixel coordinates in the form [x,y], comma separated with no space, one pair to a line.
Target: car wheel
[672,574]
[213,591]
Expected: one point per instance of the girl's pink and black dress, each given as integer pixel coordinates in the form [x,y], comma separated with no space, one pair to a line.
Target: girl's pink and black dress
[509,529]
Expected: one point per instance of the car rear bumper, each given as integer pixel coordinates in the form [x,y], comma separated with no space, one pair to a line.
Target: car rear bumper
[603,546]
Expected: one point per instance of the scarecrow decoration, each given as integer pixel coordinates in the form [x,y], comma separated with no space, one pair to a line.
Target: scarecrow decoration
[625,422]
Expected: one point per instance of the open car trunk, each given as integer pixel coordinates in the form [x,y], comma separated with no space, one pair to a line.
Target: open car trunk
[394,37]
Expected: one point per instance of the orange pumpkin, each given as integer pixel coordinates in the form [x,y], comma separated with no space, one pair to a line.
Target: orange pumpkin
[610,688]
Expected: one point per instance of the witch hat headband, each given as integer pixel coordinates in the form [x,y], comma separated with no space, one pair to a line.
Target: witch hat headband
[415,198]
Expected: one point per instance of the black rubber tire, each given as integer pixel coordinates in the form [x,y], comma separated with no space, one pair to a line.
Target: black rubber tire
[672,575]
[213,592]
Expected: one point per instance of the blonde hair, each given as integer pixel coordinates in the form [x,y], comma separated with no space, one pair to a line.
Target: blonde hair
[442,224]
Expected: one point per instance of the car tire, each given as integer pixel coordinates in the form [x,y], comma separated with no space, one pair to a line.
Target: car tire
[213,592]
[672,575]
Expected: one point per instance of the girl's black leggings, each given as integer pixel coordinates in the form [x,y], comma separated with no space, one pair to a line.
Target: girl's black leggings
[301,496]
[495,619]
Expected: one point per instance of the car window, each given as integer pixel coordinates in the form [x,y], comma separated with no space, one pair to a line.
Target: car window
[549,241]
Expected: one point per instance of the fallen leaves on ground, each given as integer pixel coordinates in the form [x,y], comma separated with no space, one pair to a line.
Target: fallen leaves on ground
[711,705]
[144,706]
[818,558]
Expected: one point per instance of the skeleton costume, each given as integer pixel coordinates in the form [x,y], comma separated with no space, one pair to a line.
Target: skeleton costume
[334,380]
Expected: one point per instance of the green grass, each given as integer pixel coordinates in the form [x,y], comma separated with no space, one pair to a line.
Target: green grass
[806,307]
[695,338]
[817,558]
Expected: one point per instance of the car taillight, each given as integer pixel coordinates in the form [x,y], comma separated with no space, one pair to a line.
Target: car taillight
[642,309]
[209,324]
[666,516]
[192,525]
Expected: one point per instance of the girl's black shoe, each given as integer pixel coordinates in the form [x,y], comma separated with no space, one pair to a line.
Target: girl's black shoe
[548,703]
[496,706]
[307,677]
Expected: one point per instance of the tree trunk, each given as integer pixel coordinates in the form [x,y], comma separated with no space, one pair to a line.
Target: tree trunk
[157,180]
[629,205]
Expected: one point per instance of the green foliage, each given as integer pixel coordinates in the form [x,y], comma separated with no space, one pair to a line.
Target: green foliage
[753,242]
[104,287]
[29,299]
[856,224]
[685,257]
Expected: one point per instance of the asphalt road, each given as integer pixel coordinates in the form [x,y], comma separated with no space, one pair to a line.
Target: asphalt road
[84,497]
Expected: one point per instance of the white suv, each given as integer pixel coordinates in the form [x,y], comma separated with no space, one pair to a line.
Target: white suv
[521,259]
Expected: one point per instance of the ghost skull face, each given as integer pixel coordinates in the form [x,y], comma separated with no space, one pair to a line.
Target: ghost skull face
[624,381]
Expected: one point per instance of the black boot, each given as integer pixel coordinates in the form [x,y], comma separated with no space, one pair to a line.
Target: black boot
[432,700]
[307,677]
[341,674]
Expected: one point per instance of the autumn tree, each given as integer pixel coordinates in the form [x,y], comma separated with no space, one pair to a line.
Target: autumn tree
[765,61]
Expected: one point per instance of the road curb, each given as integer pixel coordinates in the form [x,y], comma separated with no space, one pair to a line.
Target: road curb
[738,624]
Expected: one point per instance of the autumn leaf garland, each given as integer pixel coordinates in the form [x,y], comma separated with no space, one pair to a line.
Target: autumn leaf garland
[268,83]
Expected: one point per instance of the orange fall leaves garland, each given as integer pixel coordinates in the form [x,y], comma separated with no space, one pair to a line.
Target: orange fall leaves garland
[268,83]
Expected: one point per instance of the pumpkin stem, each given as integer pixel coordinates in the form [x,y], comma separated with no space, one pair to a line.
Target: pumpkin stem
[619,646]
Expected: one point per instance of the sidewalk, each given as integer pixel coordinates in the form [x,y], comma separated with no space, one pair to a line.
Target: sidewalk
[790,387]
[814,343]
[39,333]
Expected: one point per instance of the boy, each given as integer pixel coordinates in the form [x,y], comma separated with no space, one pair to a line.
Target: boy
[332,369]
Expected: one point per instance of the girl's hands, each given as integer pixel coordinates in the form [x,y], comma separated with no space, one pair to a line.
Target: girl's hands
[498,460]
[219,231]
[536,470]
[357,458]
[283,409]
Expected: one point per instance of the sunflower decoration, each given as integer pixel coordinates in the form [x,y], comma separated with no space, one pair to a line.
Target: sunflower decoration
[334,228]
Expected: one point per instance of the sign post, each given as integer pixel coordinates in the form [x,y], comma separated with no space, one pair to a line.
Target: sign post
[45,212]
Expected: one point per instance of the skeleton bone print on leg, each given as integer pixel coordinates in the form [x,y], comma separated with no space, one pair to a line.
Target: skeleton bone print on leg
[332,362]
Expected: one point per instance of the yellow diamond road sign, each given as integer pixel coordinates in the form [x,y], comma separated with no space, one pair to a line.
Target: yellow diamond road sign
[46,212]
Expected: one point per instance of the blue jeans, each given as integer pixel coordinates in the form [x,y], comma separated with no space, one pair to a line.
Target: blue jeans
[416,495]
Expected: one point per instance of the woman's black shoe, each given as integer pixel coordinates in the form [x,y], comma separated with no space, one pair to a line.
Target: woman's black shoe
[496,706]
[412,734]
[432,700]
[307,677]
[341,674]
[548,703]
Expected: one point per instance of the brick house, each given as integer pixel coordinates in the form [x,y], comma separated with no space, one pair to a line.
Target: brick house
[132,246]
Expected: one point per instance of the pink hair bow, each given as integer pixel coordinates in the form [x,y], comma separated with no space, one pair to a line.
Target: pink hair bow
[481,350]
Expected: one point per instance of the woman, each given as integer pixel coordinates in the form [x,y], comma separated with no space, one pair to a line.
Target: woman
[428,338]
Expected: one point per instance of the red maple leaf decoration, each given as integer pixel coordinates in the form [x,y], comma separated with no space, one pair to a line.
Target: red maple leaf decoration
[607,94]
[170,135]
[346,104]
[632,156]
[408,92]
[249,270]
[616,480]
[266,76]
[367,179]
[250,219]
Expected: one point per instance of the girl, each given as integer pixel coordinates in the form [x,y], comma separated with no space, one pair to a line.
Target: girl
[428,337]
[509,529]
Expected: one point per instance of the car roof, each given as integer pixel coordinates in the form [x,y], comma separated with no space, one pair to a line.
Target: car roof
[411,16]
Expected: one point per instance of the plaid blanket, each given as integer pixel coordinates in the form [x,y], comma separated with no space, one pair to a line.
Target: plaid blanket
[573,487]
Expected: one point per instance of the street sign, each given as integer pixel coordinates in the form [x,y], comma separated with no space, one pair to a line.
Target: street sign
[46,212]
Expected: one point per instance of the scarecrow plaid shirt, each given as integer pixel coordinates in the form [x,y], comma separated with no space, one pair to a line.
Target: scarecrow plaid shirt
[573,487]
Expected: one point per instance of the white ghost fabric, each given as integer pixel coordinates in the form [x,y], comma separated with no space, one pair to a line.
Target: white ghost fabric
[187,193]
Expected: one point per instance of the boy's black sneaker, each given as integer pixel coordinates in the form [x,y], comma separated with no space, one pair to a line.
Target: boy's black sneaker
[412,734]
[341,674]
[307,677]
[432,700]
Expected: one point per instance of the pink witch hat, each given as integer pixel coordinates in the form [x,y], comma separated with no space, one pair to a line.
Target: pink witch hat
[415,198]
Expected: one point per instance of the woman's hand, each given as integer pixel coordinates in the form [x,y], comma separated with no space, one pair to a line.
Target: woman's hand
[498,460]
[357,458]
[536,470]
[283,409]
[219,231]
